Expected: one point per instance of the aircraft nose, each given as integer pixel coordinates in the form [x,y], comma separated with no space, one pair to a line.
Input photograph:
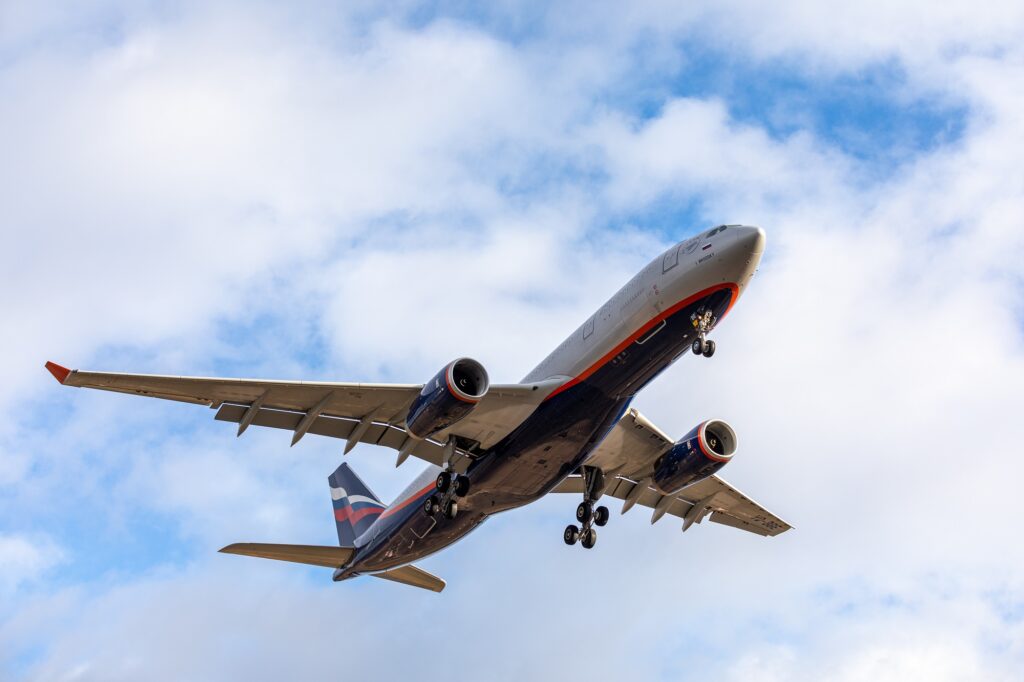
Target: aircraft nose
[751,239]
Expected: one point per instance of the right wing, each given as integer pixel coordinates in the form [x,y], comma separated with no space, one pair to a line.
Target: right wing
[627,457]
[357,413]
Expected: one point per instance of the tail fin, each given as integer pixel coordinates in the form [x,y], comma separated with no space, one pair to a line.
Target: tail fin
[355,505]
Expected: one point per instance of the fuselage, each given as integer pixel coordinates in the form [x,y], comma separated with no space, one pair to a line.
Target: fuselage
[635,335]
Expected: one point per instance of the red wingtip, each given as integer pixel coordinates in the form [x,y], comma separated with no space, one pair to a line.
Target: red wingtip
[60,373]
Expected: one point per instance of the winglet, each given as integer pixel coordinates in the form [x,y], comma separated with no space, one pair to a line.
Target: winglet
[59,373]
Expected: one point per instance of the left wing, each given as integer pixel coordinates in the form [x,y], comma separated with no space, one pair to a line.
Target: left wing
[626,456]
[357,413]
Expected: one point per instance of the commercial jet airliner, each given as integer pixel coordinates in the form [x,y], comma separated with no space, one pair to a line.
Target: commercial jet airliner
[567,427]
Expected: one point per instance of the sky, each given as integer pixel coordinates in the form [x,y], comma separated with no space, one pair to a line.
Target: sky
[364,191]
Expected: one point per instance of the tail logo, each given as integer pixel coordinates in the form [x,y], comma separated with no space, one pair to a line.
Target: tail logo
[354,508]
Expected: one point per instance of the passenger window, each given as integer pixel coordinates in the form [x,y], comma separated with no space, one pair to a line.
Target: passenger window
[670,260]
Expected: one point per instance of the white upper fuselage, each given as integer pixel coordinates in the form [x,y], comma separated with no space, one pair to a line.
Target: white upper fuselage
[728,256]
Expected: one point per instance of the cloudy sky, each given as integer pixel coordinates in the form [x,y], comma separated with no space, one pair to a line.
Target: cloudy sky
[286,191]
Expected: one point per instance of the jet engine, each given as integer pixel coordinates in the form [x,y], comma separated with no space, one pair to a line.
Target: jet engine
[695,456]
[448,397]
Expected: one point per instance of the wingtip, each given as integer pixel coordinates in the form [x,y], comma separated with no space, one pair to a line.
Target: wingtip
[59,372]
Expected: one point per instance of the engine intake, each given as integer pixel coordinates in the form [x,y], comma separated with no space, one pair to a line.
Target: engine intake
[697,455]
[448,397]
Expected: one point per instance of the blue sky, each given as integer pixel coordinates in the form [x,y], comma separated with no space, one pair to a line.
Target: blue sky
[251,189]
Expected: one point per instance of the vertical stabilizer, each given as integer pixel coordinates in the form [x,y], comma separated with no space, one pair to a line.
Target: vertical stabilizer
[355,505]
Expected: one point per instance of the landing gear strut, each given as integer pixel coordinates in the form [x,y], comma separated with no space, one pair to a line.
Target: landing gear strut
[586,514]
[703,322]
[450,486]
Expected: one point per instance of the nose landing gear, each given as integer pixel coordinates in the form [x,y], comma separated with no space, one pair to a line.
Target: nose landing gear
[702,346]
[586,514]
[703,322]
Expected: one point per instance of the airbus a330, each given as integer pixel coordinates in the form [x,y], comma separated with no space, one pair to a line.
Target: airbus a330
[567,427]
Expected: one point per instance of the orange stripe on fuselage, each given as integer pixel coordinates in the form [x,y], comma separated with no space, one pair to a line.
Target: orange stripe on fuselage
[407,501]
[646,328]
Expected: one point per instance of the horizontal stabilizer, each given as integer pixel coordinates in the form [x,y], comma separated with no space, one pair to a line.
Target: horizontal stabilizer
[315,555]
[410,575]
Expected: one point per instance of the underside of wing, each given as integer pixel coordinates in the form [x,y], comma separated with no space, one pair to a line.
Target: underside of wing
[355,412]
[627,456]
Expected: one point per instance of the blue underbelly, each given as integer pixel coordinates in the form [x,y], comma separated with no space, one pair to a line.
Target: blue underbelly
[550,445]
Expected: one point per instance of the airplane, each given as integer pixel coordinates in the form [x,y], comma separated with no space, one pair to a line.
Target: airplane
[567,427]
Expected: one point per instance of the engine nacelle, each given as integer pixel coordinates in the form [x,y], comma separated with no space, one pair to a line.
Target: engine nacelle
[448,397]
[695,456]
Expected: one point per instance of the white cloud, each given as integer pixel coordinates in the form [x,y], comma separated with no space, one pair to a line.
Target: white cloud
[368,193]
[24,559]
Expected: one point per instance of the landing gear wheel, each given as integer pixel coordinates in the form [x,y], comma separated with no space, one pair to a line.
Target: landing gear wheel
[571,535]
[461,486]
[444,481]
[584,513]
[432,505]
[698,346]
[451,509]
[601,516]
[589,538]
[709,349]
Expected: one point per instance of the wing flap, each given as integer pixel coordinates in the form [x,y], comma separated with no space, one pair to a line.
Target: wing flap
[411,575]
[314,555]
[726,520]
[386,435]
[726,505]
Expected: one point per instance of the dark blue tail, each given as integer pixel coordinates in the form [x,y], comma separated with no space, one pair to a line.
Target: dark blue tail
[355,505]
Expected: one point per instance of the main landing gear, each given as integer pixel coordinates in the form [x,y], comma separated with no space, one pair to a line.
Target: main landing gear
[586,514]
[450,487]
[703,322]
